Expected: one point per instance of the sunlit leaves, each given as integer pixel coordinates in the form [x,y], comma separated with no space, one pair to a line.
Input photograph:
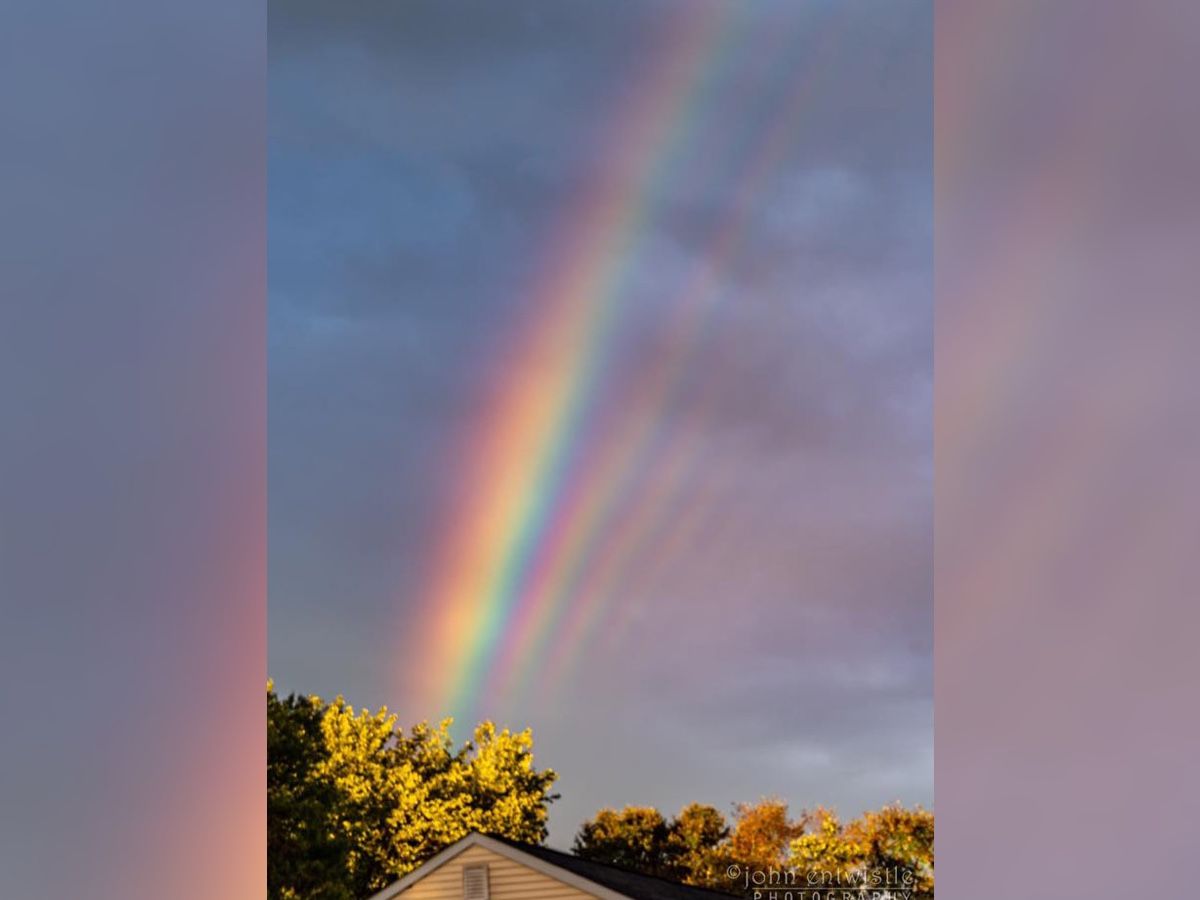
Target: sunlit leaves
[384,800]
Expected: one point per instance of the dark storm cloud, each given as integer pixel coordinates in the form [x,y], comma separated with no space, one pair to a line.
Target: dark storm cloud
[422,157]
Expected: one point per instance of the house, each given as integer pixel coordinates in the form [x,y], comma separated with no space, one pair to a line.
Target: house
[481,867]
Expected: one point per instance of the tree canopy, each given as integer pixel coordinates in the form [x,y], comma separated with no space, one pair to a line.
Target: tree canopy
[698,846]
[892,842]
[354,802]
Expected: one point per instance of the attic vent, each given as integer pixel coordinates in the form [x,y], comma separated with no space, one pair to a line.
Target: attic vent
[475,882]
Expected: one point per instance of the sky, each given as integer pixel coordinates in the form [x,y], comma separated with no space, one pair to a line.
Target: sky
[600,361]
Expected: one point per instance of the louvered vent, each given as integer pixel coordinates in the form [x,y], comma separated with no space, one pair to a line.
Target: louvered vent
[475,882]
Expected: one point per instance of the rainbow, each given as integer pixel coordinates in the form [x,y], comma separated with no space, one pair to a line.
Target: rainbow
[664,463]
[522,566]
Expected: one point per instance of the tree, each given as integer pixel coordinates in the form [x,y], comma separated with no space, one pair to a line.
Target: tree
[694,842]
[891,843]
[830,855]
[762,834]
[641,839]
[376,802]
[307,853]
[635,838]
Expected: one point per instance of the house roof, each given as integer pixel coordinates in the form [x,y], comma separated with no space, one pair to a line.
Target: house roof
[599,879]
[624,881]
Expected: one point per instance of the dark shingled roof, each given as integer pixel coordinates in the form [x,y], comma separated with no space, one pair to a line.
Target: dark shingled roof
[624,881]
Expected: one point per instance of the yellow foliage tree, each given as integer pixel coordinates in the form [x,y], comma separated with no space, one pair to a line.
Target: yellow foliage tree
[390,799]
[889,846]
